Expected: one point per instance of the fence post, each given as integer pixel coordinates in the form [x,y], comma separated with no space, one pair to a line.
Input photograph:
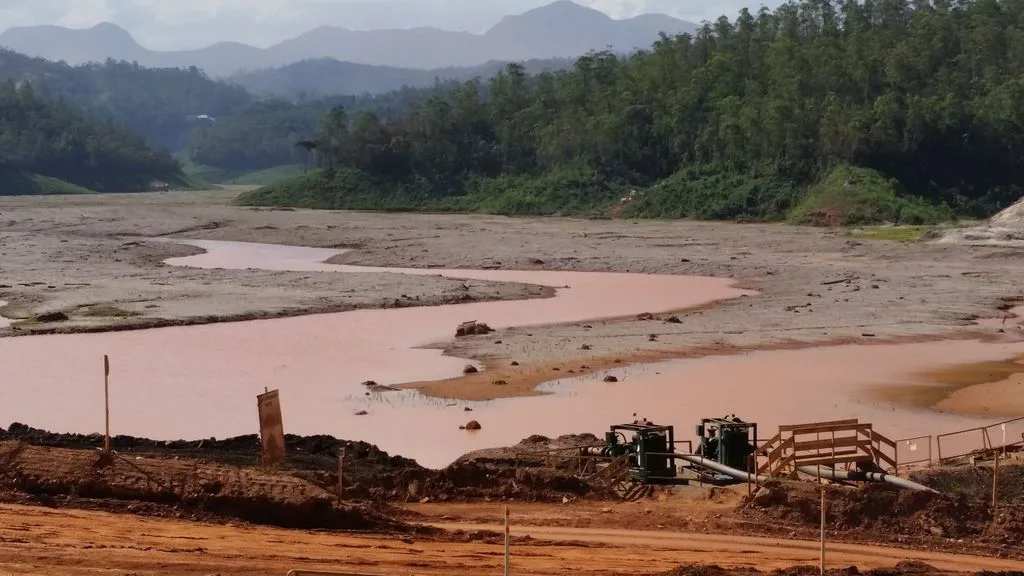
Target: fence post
[507,550]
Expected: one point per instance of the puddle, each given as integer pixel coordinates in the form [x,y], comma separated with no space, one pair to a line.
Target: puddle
[201,381]
[1010,319]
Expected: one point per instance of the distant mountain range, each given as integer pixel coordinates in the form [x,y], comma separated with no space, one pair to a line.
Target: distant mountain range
[563,29]
[327,76]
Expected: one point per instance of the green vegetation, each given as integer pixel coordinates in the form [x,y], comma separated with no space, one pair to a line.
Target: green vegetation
[24,183]
[47,147]
[892,233]
[268,176]
[822,111]
[163,105]
[852,196]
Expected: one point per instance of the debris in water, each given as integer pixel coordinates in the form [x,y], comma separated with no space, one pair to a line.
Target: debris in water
[361,413]
[473,425]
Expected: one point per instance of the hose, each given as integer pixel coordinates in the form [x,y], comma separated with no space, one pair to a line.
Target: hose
[831,474]
[727,470]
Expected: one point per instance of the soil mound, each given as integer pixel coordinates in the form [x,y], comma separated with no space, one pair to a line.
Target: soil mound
[887,511]
[369,473]
[1004,229]
[245,494]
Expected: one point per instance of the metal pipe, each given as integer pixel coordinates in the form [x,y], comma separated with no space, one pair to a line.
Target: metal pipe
[717,467]
[864,477]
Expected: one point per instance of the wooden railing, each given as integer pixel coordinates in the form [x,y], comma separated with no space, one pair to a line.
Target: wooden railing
[835,443]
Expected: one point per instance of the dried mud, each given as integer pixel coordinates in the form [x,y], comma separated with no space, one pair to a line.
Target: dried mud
[883,511]
[906,568]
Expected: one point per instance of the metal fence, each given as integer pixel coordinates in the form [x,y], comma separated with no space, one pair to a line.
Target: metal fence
[913,452]
[978,441]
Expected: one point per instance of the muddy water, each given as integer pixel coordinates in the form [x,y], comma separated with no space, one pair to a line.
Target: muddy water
[199,381]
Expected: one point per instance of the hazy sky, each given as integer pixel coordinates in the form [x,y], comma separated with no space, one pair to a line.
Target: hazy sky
[171,24]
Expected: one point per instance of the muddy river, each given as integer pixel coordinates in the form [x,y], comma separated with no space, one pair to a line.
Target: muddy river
[201,381]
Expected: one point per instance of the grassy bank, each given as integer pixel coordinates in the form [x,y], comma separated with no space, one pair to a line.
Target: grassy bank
[26,183]
[846,196]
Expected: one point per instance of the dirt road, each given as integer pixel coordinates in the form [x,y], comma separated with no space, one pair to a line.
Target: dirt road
[67,542]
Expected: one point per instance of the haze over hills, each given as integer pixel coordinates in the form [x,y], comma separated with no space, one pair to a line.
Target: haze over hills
[563,29]
[327,76]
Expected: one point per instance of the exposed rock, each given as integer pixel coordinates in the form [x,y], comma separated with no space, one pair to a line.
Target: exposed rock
[610,379]
[472,328]
[52,317]
[469,369]
[473,425]
[673,320]
[645,316]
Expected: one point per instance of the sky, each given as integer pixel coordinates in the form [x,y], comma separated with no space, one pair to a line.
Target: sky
[184,24]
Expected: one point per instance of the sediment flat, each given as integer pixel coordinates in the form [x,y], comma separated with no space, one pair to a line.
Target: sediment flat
[81,256]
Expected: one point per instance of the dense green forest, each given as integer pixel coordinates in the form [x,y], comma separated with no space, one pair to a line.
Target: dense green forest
[46,145]
[826,111]
[163,105]
[265,134]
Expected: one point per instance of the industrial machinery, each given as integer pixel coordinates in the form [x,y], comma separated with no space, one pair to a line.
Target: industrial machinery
[729,441]
[643,453]
[649,448]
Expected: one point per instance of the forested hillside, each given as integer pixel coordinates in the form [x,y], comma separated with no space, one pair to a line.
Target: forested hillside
[44,145]
[265,134]
[326,76]
[161,104]
[829,111]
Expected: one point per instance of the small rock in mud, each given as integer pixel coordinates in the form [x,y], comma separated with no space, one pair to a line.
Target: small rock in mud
[645,316]
[586,347]
[514,363]
[868,335]
[52,317]
[652,337]
[361,413]
[472,328]
[467,409]
[500,383]
[473,425]
[673,320]
[610,379]
[369,383]
[469,369]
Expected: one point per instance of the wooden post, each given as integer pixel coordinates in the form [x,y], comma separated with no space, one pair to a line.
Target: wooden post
[507,538]
[341,466]
[995,484]
[823,530]
[106,404]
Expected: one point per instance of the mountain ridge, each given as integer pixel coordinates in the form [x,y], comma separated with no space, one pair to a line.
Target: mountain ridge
[547,32]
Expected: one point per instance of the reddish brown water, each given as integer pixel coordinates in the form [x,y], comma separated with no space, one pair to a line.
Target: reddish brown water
[200,381]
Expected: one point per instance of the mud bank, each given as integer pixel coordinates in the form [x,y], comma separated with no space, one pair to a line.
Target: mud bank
[369,473]
[163,487]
